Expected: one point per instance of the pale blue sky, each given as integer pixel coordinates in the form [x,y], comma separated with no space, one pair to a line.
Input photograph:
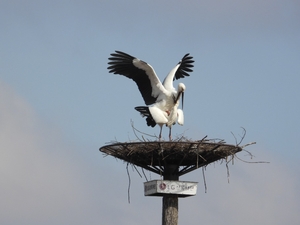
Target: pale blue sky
[59,104]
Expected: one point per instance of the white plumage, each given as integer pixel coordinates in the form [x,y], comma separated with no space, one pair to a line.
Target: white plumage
[163,97]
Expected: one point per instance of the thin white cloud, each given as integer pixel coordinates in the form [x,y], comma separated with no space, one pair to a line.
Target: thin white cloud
[35,183]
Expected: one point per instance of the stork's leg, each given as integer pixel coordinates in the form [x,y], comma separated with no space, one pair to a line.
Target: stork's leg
[170,136]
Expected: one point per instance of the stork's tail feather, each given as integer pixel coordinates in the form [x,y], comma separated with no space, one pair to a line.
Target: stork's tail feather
[145,112]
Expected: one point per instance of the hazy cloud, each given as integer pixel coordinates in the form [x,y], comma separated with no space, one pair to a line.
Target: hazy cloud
[36,184]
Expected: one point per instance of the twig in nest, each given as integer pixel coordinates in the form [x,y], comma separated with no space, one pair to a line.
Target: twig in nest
[129,179]
[136,130]
[242,137]
[144,174]
[251,143]
[204,180]
[180,137]
[251,162]
[227,167]
[129,182]
[251,155]
[137,170]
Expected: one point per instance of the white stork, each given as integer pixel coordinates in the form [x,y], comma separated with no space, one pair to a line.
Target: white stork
[163,96]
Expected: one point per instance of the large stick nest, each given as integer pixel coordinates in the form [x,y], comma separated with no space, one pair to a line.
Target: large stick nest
[187,155]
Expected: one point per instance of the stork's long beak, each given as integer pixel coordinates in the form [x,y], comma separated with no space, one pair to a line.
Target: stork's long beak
[178,96]
[182,99]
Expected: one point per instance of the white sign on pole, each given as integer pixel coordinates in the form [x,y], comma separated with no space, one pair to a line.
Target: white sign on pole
[161,187]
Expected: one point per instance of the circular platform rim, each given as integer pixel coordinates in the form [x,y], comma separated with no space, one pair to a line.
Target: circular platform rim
[187,154]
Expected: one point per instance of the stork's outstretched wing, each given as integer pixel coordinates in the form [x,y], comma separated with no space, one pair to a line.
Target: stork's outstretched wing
[185,66]
[179,71]
[141,72]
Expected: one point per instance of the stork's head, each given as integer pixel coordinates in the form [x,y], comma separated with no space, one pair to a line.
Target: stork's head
[181,87]
[180,91]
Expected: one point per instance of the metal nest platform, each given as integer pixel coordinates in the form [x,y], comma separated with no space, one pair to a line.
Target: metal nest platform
[186,155]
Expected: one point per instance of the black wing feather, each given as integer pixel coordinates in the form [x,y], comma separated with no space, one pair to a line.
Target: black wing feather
[121,63]
[186,64]
[146,112]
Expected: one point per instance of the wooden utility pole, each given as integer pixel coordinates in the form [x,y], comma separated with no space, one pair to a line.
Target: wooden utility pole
[170,202]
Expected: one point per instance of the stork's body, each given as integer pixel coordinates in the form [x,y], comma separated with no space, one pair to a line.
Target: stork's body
[157,116]
[163,97]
